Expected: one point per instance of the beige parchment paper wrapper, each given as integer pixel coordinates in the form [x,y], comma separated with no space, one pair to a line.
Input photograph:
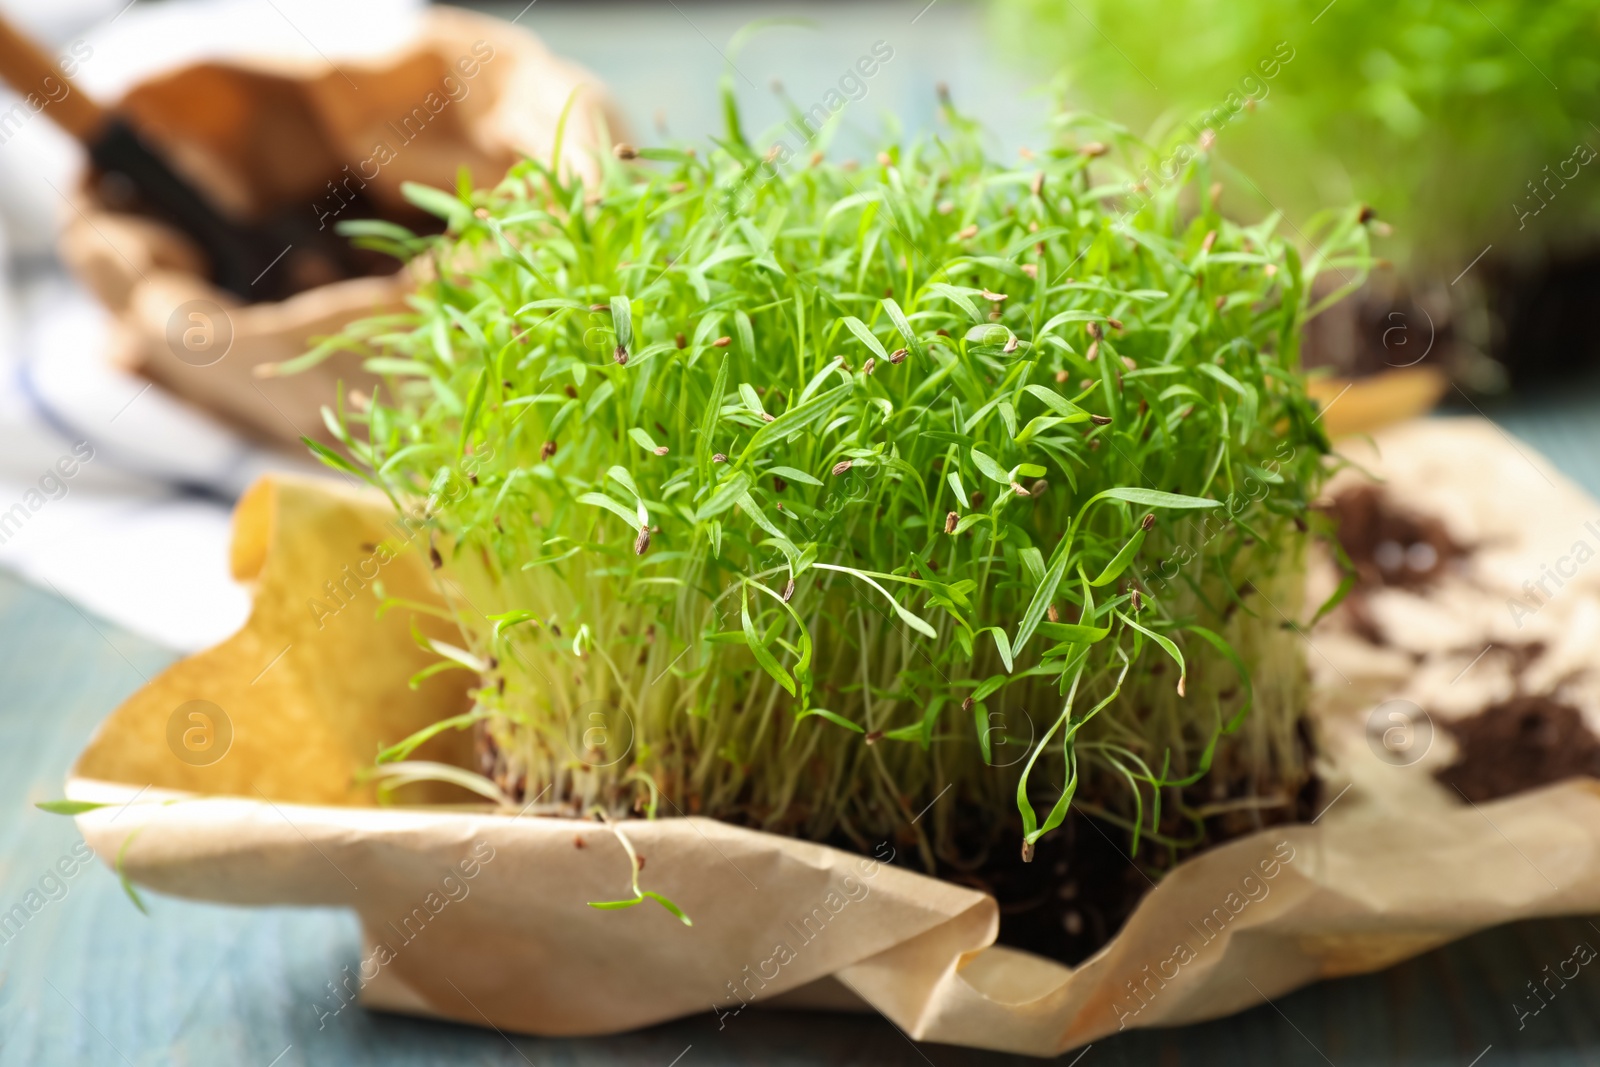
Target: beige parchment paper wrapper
[1394,865]
[263,133]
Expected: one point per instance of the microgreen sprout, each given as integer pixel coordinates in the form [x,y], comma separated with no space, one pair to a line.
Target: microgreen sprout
[803,495]
[639,895]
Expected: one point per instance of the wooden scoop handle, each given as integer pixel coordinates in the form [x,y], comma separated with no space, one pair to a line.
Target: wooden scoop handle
[37,77]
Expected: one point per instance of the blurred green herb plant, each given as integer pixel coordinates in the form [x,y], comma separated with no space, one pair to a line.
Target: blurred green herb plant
[1453,120]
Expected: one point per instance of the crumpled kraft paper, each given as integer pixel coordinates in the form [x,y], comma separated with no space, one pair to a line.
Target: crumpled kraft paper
[262,134]
[482,917]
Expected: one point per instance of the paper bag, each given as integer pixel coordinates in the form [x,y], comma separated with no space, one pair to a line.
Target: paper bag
[473,92]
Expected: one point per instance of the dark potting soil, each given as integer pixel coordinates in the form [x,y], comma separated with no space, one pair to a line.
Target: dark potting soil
[1381,327]
[1546,331]
[319,255]
[1523,743]
[1072,898]
[1083,882]
[1390,545]
[1509,747]
[1540,327]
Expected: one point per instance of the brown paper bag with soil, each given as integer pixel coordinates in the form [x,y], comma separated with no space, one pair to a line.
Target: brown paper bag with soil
[335,142]
[482,917]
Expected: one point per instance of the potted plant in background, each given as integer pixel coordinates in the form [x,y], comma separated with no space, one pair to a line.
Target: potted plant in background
[1466,127]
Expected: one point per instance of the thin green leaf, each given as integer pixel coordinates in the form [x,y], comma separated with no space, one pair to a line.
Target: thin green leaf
[865,336]
[1119,563]
[989,468]
[69,807]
